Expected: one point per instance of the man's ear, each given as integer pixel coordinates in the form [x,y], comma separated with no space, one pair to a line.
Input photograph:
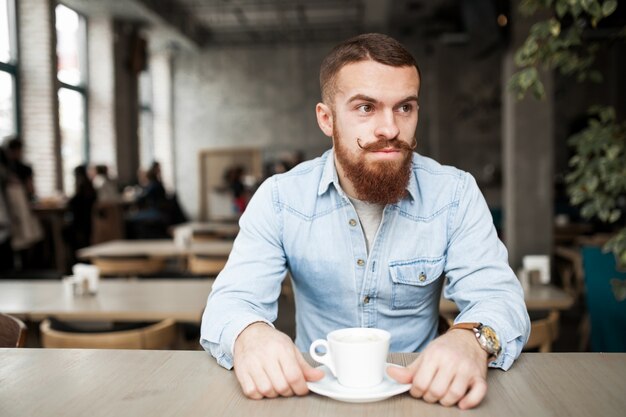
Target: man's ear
[324,118]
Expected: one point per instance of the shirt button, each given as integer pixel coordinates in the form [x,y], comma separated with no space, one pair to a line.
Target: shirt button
[352,222]
[422,277]
[360,262]
[366,300]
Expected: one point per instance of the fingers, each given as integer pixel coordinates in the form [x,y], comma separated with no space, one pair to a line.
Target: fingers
[401,375]
[456,391]
[477,392]
[423,377]
[284,376]
[438,388]
[263,383]
[255,384]
[310,373]
[294,374]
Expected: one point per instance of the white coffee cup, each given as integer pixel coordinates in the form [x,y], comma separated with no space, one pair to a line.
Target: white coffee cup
[357,357]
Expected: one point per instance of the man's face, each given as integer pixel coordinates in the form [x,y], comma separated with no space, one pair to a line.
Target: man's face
[372,122]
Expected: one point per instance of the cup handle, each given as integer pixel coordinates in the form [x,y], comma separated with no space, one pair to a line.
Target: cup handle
[325,358]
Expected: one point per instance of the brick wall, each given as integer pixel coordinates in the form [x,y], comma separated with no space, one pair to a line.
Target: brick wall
[37,66]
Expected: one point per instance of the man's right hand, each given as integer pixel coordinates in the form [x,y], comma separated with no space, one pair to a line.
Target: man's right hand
[268,364]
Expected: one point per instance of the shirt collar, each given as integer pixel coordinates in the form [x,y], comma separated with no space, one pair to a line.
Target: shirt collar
[329,176]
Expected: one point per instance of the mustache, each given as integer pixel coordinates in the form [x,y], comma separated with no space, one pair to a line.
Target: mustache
[394,143]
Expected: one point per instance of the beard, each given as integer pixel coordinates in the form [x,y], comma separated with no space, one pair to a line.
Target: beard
[379,182]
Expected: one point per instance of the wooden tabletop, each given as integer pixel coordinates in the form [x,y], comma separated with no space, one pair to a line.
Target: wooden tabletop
[136,383]
[208,227]
[120,300]
[158,248]
[537,297]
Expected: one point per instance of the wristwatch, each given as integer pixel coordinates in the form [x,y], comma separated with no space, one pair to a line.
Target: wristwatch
[486,337]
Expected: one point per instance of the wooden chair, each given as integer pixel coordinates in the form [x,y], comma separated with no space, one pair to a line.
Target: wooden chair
[161,335]
[205,264]
[211,236]
[12,332]
[543,332]
[107,222]
[128,265]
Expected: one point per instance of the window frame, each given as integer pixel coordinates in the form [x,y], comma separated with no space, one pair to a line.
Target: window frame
[12,67]
[83,87]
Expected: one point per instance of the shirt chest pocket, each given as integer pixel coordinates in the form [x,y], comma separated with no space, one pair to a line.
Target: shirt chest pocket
[415,282]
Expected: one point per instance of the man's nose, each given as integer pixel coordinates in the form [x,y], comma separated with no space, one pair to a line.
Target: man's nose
[386,126]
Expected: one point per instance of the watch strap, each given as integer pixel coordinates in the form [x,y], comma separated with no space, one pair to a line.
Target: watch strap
[466,326]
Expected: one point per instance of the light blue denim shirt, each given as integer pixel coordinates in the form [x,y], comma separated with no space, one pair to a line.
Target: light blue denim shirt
[303,222]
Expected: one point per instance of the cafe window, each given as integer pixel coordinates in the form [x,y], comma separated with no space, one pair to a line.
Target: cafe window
[8,70]
[71,29]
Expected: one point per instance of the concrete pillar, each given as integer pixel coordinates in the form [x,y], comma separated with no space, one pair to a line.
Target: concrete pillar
[163,98]
[527,134]
[38,92]
[102,92]
[127,56]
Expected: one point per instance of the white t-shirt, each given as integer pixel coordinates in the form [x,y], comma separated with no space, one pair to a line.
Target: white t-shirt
[370,215]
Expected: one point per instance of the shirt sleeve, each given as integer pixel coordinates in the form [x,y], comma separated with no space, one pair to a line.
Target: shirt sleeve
[247,289]
[480,280]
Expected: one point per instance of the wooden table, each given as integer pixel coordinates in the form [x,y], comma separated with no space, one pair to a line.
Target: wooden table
[537,297]
[119,300]
[159,248]
[219,228]
[189,383]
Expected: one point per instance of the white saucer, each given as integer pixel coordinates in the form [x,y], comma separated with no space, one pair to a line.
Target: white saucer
[330,387]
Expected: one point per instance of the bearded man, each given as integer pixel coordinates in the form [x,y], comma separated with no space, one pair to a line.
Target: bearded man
[370,233]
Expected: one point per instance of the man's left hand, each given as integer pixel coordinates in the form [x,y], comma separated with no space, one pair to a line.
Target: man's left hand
[451,370]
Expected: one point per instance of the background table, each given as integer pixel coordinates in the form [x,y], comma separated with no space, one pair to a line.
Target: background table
[537,297]
[119,300]
[178,383]
[158,248]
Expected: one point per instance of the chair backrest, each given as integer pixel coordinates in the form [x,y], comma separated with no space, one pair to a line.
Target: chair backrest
[161,335]
[12,332]
[543,332]
[604,293]
[128,266]
[211,236]
[205,265]
[107,222]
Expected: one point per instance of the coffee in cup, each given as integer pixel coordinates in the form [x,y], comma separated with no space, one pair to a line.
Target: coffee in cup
[357,356]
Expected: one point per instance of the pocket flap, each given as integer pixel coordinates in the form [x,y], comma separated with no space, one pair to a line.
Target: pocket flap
[417,272]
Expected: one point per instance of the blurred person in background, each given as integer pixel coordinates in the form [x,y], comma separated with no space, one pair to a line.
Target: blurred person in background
[80,207]
[13,159]
[106,188]
[150,220]
[17,194]
[6,252]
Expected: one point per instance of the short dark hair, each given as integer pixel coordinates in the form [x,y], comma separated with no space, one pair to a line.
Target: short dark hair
[15,144]
[102,169]
[373,46]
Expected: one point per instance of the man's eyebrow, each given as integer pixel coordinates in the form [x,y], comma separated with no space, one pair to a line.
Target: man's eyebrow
[363,97]
[409,98]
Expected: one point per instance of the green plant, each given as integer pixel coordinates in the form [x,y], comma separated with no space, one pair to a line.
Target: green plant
[597,180]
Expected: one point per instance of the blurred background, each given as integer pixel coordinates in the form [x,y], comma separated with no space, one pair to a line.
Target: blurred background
[121,119]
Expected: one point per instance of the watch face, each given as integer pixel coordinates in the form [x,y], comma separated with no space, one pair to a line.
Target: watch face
[489,339]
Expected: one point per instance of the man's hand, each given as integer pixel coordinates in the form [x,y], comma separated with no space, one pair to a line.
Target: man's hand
[451,370]
[268,364]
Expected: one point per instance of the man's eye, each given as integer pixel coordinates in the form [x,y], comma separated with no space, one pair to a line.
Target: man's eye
[405,108]
[365,108]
